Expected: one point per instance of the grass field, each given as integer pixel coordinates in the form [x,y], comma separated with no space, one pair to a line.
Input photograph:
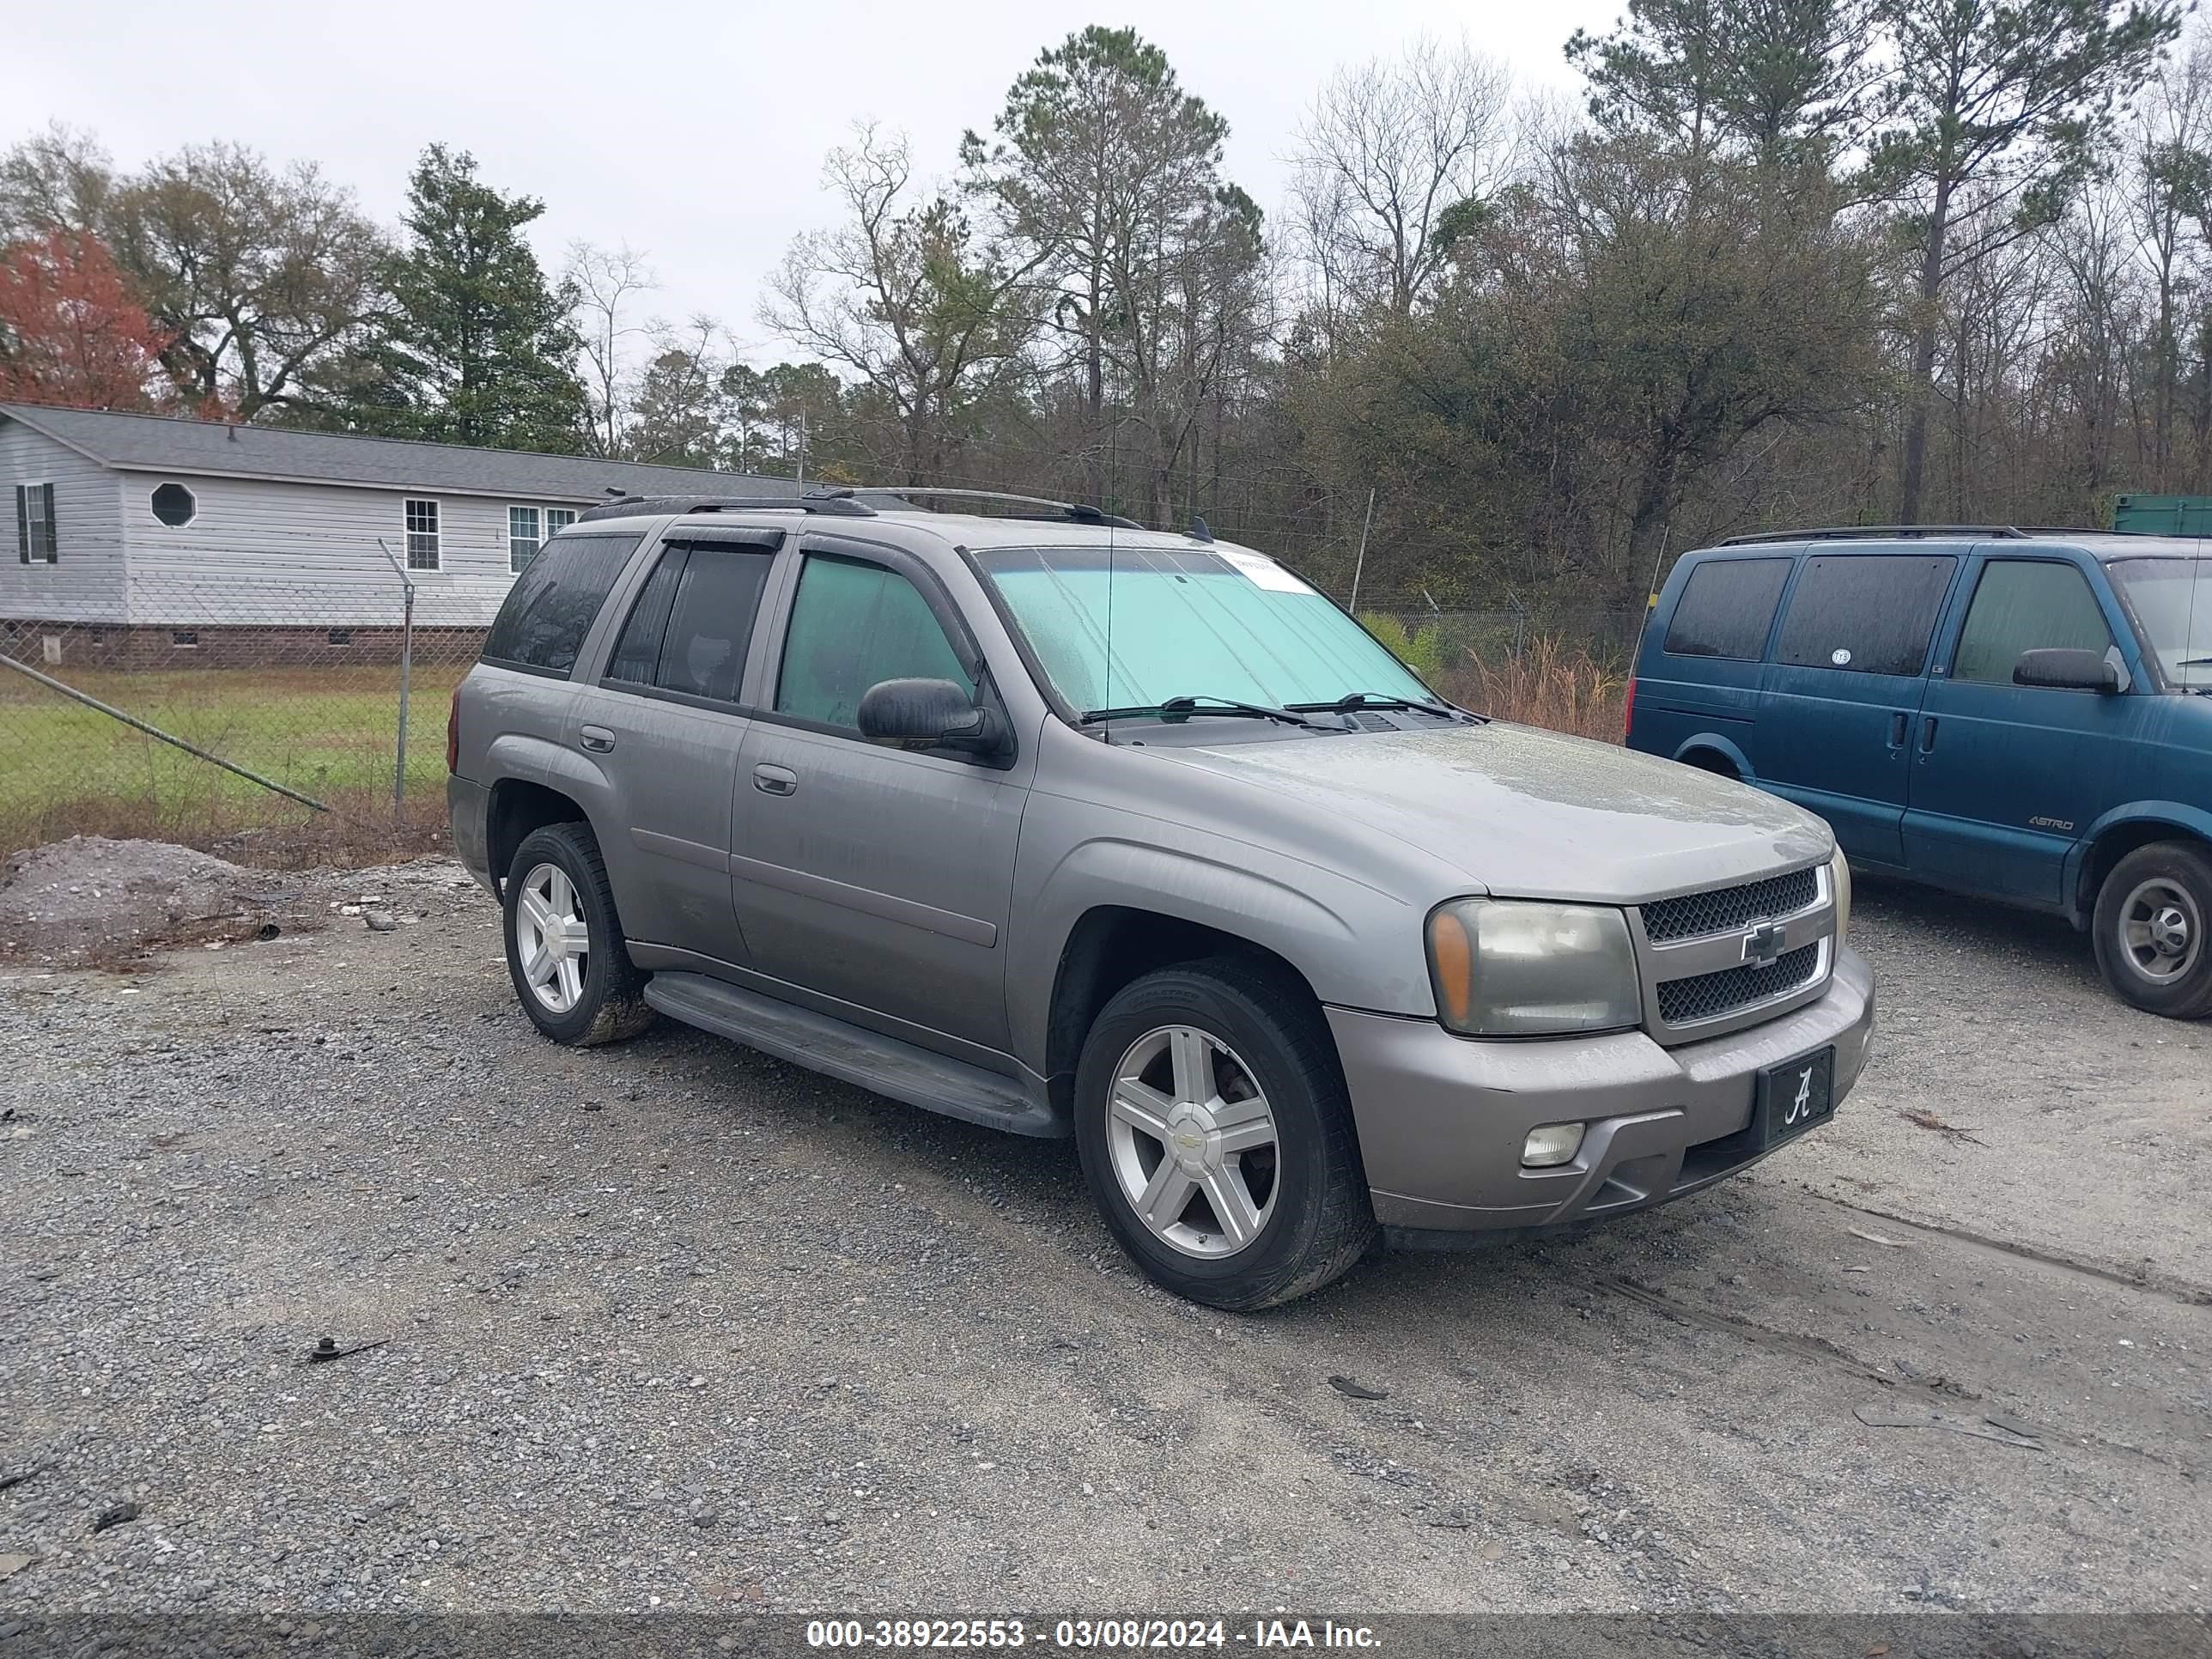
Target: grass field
[329,734]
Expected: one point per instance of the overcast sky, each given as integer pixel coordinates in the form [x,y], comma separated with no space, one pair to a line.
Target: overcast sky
[693,131]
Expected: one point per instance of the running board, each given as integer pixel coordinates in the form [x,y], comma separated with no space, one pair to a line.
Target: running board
[852,1054]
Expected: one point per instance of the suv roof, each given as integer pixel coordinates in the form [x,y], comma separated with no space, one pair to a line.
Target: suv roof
[1073,524]
[2097,544]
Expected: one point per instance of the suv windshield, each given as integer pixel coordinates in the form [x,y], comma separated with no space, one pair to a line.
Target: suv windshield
[1218,625]
[2172,600]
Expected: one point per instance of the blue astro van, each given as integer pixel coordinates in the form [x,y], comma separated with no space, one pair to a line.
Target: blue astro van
[2024,716]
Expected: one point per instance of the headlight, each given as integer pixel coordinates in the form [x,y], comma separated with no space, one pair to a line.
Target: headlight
[1510,968]
[1839,879]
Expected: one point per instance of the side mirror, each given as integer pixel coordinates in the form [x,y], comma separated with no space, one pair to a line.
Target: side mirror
[2070,670]
[930,715]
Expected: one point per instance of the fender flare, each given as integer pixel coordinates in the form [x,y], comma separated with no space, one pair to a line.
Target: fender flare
[1268,908]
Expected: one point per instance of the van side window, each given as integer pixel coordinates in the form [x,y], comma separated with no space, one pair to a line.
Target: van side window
[852,626]
[1727,608]
[2020,605]
[551,607]
[1870,613]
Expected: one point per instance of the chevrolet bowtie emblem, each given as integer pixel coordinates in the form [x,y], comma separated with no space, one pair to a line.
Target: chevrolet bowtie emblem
[1763,944]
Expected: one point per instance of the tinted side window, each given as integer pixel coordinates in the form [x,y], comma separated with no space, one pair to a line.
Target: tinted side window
[551,606]
[1869,612]
[854,626]
[703,653]
[1725,609]
[2020,605]
[637,653]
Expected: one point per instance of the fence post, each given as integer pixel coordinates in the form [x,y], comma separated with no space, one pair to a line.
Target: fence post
[406,672]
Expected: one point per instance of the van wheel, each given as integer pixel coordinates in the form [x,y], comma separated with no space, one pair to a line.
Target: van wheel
[2152,942]
[564,941]
[1216,1139]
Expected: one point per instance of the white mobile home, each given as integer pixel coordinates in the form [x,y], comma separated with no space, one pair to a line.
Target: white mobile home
[156,532]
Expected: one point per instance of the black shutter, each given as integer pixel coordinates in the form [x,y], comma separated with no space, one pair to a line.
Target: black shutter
[24,523]
[53,533]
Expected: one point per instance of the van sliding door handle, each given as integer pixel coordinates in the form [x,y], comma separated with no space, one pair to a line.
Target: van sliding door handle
[1898,722]
[1928,735]
[775,781]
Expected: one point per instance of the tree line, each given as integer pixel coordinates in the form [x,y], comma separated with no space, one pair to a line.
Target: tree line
[1783,262]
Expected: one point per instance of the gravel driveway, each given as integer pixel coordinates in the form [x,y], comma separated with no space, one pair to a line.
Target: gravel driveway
[675,1324]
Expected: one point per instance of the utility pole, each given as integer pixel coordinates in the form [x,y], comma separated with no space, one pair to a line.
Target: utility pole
[1359,564]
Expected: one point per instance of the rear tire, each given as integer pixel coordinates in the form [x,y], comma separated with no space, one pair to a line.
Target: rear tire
[564,941]
[2151,929]
[1216,1139]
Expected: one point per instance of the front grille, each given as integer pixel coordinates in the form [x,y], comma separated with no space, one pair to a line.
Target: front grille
[1727,910]
[1708,996]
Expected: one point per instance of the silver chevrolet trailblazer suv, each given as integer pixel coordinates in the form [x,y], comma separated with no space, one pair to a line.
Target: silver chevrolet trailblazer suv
[1035,817]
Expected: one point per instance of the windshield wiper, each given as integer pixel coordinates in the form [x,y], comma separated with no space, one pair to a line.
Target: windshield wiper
[1183,708]
[1352,699]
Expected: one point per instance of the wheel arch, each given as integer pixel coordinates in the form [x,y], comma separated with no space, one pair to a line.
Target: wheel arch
[1111,945]
[1709,751]
[2119,833]
[518,808]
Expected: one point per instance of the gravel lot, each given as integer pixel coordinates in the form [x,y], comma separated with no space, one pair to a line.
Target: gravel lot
[674,1324]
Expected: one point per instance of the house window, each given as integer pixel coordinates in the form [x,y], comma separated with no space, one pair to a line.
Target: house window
[175,506]
[558,519]
[421,535]
[341,637]
[35,524]
[185,636]
[524,536]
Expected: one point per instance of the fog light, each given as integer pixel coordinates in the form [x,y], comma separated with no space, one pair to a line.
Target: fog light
[1551,1146]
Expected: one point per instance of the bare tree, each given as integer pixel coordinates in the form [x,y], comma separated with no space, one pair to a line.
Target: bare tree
[1393,159]
[607,282]
[901,293]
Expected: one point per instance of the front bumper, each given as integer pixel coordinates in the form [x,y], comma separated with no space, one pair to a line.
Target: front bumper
[1442,1119]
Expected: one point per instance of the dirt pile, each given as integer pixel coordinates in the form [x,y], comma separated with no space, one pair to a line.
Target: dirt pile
[89,898]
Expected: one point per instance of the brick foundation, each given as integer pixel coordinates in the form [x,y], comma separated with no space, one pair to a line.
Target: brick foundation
[146,646]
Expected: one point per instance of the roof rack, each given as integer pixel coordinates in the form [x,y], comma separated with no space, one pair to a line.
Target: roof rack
[1074,512]
[836,503]
[1859,532]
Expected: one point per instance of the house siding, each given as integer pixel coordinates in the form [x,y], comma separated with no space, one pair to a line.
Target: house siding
[86,583]
[292,555]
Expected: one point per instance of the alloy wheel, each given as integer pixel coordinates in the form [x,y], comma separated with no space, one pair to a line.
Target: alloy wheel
[1193,1142]
[552,939]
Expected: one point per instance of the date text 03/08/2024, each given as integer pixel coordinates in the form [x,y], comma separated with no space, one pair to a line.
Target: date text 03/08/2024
[1119,1635]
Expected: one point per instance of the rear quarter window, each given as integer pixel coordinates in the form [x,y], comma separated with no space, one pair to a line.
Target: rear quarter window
[1725,609]
[1870,613]
[551,607]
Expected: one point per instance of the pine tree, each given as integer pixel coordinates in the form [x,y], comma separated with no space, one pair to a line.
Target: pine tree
[477,347]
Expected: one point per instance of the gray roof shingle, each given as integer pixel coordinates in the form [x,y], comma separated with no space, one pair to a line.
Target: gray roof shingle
[158,443]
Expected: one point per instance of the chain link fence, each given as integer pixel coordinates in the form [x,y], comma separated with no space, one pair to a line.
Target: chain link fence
[231,711]
[262,717]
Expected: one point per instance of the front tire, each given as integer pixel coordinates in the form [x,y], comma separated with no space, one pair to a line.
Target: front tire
[1216,1139]
[564,941]
[2153,943]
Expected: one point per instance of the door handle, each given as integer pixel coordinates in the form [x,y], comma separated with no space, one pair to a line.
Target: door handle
[597,738]
[1898,722]
[1928,735]
[775,781]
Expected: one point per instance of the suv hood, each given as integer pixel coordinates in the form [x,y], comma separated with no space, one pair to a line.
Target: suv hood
[1529,813]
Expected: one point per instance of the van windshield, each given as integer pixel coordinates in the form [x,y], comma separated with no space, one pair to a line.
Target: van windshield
[1196,623]
[2172,600]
